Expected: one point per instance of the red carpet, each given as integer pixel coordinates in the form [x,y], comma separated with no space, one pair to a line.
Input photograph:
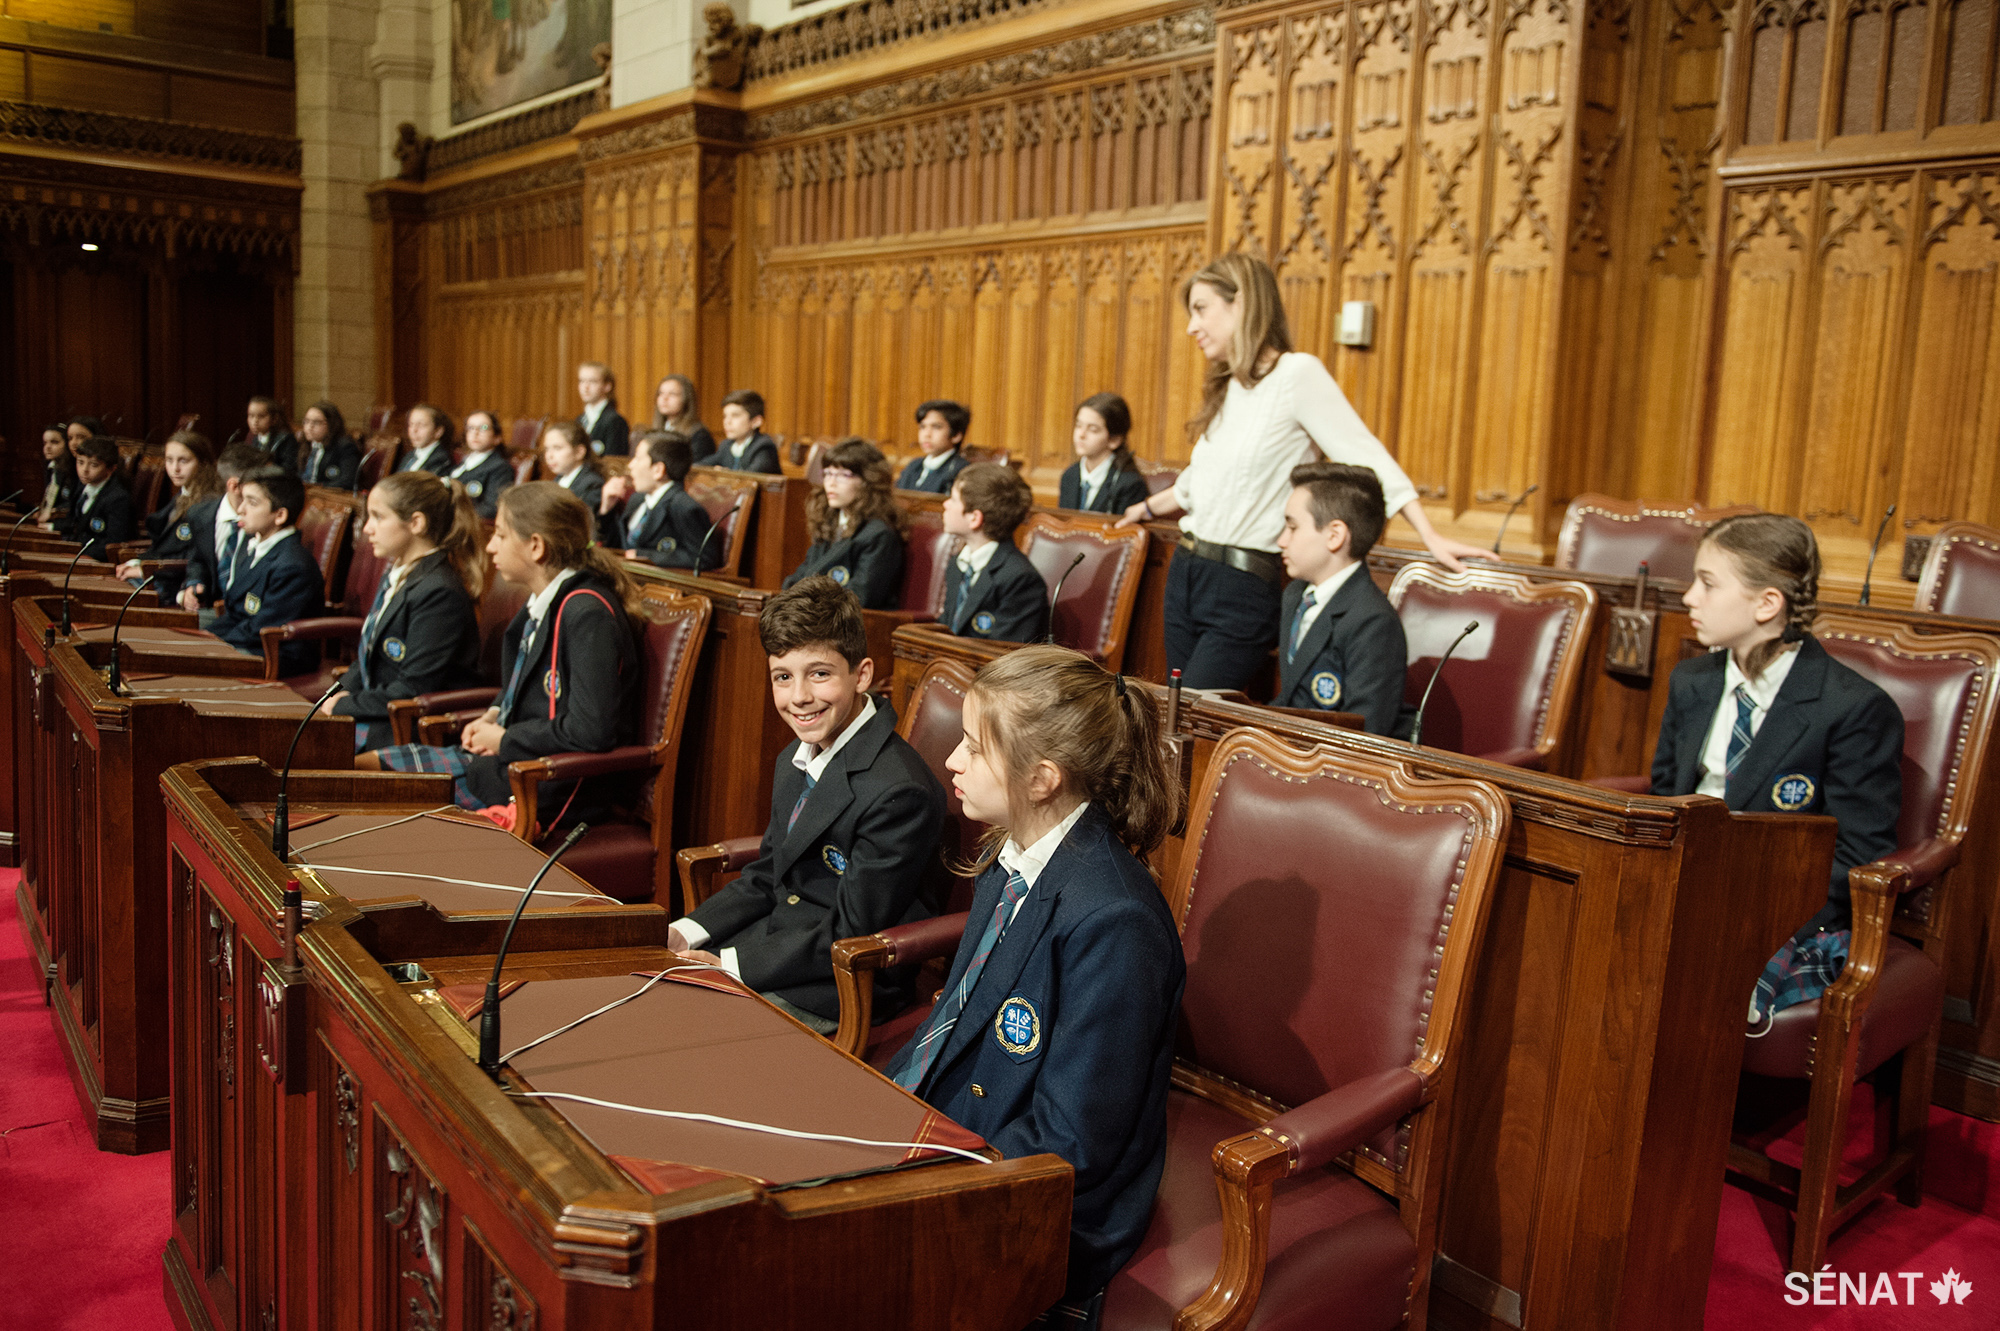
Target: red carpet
[81,1232]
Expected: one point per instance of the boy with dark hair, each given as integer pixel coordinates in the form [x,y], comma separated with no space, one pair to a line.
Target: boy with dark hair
[216,533]
[602,425]
[856,820]
[662,523]
[992,590]
[1341,646]
[941,427]
[101,514]
[745,446]
[273,579]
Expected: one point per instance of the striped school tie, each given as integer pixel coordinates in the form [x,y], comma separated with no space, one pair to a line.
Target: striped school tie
[945,1015]
[227,559]
[371,625]
[1739,734]
[800,807]
[1306,603]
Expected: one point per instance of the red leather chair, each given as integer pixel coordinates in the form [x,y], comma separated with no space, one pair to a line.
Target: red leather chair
[1604,535]
[350,608]
[499,604]
[323,528]
[1095,612]
[933,723]
[928,550]
[380,416]
[728,497]
[188,420]
[1507,693]
[1158,478]
[378,460]
[148,481]
[1961,573]
[1890,998]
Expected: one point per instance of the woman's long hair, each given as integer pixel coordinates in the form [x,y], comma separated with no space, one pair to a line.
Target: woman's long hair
[690,418]
[1249,283]
[878,495]
[205,483]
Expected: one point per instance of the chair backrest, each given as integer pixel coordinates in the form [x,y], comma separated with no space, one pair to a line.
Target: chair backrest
[1944,685]
[1371,964]
[933,722]
[525,467]
[379,417]
[1961,573]
[1511,684]
[671,649]
[1158,478]
[149,480]
[928,550]
[188,420]
[815,464]
[323,527]
[728,497]
[498,605]
[364,574]
[378,460]
[1605,535]
[1095,611]
[524,433]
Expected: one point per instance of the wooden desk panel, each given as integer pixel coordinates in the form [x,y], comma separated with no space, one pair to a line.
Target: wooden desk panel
[96,908]
[340,1161]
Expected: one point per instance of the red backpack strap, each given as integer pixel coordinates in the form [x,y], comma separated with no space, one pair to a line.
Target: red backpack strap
[555,641]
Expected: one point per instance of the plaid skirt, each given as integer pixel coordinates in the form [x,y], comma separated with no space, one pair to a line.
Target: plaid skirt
[1799,973]
[452,760]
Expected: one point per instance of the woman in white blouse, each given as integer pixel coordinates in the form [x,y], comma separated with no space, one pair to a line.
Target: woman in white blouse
[1264,409]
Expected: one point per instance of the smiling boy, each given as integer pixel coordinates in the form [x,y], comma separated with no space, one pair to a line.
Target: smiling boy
[856,821]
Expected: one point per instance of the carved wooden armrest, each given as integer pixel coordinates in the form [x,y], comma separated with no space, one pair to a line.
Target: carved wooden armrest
[1926,860]
[1625,785]
[702,867]
[406,713]
[1528,758]
[441,729]
[1872,890]
[526,777]
[855,961]
[343,627]
[1312,1135]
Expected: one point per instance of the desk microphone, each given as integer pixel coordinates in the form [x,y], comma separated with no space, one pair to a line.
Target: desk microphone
[281,812]
[1867,577]
[702,549]
[119,623]
[6,548]
[65,628]
[1511,510]
[1417,726]
[489,1007]
[1057,595]
[12,497]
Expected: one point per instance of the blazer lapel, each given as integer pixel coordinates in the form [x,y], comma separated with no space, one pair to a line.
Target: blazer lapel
[1782,727]
[1008,959]
[1707,696]
[649,526]
[972,593]
[834,792]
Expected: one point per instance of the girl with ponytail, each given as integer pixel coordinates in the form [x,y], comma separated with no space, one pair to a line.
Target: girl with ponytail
[1770,723]
[422,631]
[1055,1030]
[569,665]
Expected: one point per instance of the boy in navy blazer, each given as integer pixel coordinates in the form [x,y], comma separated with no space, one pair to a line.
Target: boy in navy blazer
[992,590]
[856,820]
[607,431]
[661,523]
[101,514]
[745,446]
[1341,645]
[273,579]
[941,427]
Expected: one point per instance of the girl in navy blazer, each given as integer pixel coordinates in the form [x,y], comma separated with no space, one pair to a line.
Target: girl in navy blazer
[422,630]
[1100,436]
[1055,1030]
[173,526]
[485,470]
[857,529]
[569,666]
[1772,724]
[567,458]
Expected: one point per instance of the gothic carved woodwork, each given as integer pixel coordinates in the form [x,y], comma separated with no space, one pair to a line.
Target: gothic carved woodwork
[410,1239]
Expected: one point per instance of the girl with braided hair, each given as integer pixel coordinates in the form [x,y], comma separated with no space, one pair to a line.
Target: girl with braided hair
[1770,723]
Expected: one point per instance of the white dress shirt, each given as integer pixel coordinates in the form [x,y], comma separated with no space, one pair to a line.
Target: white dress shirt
[1089,481]
[225,522]
[647,502]
[813,763]
[933,462]
[1238,478]
[590,414]
[973,559]
[263,545]
[472,460]
[570,475]
[1763,691]
[1323,592]
[89,496]
[1029,863]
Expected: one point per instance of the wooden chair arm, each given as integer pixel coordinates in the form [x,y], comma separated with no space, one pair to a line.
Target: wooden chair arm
[526,777]
[346,628]
[441,729]
[1625,785]
[1872,891]
[855,961]
[702,866]
[1530,759]
[1926,861]
[405,714]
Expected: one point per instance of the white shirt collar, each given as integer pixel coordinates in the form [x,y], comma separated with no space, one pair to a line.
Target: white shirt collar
[1763,690]
[538,604]
[738,447]
[974,561]
[932,461]
[1323,592]
[568,476]
[647,501]
[471,461]
[814,764]
[1093,476]
[263,545]
[1029,863]
[90,493]
[592,412]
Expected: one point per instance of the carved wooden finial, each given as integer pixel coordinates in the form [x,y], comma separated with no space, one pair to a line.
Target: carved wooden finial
[720,60]
[412,150]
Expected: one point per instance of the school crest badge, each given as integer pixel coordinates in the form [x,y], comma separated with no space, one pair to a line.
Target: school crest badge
[184,532]
[97,524]
[1792,793]
[839,574]
[394,648]
[833,859]
[1018,1027]
[1326,689]
[552,685]
[252,603]
[983,622]
[666,544]
[475,488]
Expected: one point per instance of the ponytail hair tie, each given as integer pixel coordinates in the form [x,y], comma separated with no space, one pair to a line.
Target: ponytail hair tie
[1118,681]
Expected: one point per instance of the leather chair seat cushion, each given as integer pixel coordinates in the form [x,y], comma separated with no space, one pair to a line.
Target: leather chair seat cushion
[1909,999]
[615,858]
[887,1040]
[1340,1257]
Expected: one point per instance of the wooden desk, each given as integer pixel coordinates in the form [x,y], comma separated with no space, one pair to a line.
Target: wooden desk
[341,1162]
[777,540]
[94,906]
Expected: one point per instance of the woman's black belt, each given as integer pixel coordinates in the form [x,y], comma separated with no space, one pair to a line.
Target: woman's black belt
[1257,563]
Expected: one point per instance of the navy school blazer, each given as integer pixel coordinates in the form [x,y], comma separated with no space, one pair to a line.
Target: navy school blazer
[1353,659]
[610,435]
[63,472]
[1120,490]
[588,486]
[427,641]
[701,444]
[107,520]
[284,450]
[1832,743]
[941,478]
[201,568]
[864,855]
[339,465]
[671,535]
[1006,602]
[586,702]
[436,460]
[760,454]
[485,480]
[869,563]
[282,586]
[1066,1044]
[177,540]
